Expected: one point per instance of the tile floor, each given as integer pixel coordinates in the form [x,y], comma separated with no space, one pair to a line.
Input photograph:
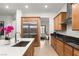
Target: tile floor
[45,49]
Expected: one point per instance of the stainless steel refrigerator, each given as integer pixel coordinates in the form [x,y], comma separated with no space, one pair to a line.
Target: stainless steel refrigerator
[29,30]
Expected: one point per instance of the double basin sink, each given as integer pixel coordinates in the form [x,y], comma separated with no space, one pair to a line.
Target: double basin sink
[21,44]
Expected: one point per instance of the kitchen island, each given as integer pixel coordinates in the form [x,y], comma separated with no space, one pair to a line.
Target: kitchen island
[9,50]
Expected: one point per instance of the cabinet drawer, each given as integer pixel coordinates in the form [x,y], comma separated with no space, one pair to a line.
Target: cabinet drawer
[68,50]
[59,42]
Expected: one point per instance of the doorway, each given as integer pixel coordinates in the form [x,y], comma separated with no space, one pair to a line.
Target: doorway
[44,30]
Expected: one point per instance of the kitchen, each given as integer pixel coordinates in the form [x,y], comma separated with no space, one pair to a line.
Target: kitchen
[60,35]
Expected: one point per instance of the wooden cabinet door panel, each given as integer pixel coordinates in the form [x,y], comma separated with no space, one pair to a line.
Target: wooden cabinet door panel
[30,50]
[53,42]
[59,50]
[58,20]
[75,17]
[59,47]
[55,24]
[76,52]
[68,50]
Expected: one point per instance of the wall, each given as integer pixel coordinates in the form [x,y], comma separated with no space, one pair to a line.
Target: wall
[69,31]
[63,9]
[39,14]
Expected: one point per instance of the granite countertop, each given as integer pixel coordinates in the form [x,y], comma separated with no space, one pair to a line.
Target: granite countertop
[15,51]
[73,42]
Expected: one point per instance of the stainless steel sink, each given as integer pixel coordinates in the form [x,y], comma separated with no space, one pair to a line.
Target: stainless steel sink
[21,44]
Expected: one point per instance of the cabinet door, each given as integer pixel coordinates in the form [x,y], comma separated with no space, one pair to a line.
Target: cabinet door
[59,23]
[55,23]
[30,50]
[62,17]
[58,20]
[59,47]
[68,50]
[75,17]
[76,52]
[52,41]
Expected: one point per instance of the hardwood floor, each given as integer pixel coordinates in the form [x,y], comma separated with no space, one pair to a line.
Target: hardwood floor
[45,49]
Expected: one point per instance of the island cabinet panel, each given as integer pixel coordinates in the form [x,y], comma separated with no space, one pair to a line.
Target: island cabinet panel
[58,20]
[75,17]
[30,50]
[76,52]
[59,47]
[68,50]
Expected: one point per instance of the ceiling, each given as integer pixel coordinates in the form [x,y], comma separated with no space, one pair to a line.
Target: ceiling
[33,8]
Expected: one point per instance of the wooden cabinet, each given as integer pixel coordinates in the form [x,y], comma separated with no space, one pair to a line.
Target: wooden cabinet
[62,48]
[53,42]
[75,17]
[30,50]
[76,52]
[59,47]
[58,21]
[30,28]
[68,50]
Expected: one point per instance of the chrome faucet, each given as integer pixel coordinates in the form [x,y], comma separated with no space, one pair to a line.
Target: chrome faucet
[16,36]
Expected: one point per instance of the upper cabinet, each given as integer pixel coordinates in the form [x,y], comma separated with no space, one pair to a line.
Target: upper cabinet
[58,21]
[75,17]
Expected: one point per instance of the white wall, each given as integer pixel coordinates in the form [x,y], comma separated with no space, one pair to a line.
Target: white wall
[63,9]
[39,14]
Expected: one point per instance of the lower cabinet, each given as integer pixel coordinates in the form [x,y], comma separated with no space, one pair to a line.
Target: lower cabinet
[30,50]
[76,52]
[62,48]
[59,47]
[53,42]
[68,50]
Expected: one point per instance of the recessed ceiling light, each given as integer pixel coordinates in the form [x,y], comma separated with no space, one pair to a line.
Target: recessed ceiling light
[7,6]
[46,6]
[26,6]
